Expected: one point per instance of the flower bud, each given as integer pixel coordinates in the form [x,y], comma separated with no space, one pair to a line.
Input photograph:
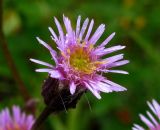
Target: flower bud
[57,95]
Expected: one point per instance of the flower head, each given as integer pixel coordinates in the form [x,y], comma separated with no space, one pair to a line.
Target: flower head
[153,122]
[79,61]
[15,120]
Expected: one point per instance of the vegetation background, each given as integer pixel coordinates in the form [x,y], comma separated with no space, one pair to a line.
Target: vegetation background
[137,25]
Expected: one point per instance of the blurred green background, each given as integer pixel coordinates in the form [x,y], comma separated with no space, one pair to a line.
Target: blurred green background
[137,25]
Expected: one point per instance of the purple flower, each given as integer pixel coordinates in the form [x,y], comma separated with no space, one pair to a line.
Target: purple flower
[79,62]
[153,122]
[15,121]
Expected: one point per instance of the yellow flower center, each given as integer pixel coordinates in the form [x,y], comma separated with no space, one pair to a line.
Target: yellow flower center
[15,127]
[80,59]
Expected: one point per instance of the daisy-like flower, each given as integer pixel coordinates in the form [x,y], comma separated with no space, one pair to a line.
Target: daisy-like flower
[16,120]
[153,122]
[79,61]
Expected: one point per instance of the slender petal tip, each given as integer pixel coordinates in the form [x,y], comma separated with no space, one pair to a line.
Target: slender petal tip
[151,122]
[80,61]
[15,120]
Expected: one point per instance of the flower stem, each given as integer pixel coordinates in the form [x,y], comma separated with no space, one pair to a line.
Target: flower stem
[3,42]
[42,117]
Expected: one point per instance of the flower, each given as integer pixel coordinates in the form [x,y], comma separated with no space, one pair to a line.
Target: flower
[79,62]
[15,121]
[153,122]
